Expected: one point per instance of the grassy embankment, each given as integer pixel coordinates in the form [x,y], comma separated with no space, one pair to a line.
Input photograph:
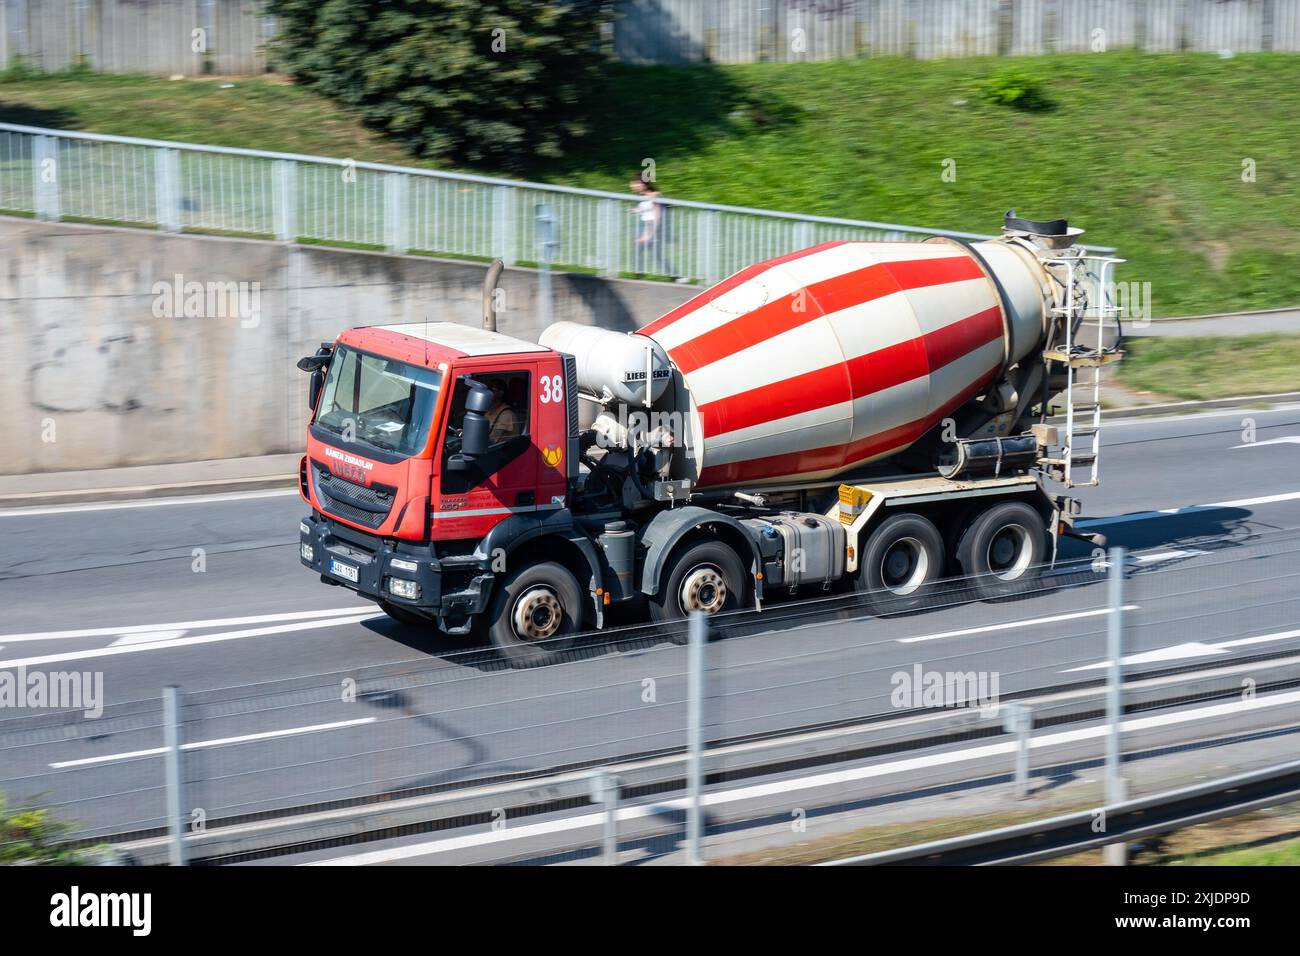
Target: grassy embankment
[1145,151]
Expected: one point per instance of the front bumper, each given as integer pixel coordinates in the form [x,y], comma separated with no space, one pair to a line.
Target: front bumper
[451,590]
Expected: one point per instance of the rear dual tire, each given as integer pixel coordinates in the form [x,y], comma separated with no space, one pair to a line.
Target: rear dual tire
[1001,553]
[902,560]
[1003,550]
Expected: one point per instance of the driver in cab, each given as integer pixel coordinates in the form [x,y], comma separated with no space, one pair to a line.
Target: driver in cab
[501,417]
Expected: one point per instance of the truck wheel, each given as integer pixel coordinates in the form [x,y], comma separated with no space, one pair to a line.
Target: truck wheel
[903,557]
[1003,550]
[535,613]
[403,615]
[707,577]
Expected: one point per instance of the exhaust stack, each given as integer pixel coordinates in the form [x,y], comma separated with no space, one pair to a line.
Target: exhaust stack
[489,292]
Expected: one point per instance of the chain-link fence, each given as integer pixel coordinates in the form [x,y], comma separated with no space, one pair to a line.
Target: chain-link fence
[828,728]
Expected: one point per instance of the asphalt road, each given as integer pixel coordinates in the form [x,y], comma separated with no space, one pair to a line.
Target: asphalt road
[208,594]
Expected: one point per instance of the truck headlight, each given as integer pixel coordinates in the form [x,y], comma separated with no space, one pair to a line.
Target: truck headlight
[401,564]
[308,553]
[304,528]
[401,588]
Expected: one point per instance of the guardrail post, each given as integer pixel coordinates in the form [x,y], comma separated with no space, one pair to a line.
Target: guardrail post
[607,237]
[605,790]
[547,233]
[175,778]
[503,225]
[45,178]
[803,235]
[1019,720]
[395,217]
[1115,854]
[699,634]
[167,189]
[706,247]
[284,192]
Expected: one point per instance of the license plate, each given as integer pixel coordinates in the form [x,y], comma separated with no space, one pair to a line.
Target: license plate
[345,571]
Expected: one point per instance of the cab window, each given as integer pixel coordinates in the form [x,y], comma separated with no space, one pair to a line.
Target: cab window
[508,419]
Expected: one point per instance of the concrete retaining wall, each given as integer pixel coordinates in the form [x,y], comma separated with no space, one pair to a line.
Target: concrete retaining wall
[100,369]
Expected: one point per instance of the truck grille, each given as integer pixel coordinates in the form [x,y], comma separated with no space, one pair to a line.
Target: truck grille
[366,505]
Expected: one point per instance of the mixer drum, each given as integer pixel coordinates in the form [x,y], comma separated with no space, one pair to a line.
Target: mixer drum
[808,365]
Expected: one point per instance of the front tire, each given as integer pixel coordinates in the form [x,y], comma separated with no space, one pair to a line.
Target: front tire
[535,614]
[1004,549]
[902,559]
[706,577]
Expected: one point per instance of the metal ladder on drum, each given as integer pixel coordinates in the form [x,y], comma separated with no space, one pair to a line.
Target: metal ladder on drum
[1079,443]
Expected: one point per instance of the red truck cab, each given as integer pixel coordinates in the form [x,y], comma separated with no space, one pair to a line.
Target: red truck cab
[392,513]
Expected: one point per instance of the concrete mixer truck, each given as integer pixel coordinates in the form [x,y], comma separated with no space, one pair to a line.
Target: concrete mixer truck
[876,415]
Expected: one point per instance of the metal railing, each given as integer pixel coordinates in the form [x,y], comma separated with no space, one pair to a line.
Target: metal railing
[183,187]
[1131,820]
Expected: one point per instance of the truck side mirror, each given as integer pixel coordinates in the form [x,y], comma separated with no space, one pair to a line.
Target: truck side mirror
[316,364]
[314,386]
[476,429]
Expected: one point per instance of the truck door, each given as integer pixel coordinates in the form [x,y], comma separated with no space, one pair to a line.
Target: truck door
[504,481]
[550,433]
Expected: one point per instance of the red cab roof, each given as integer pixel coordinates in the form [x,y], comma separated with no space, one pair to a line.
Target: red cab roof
[431,343]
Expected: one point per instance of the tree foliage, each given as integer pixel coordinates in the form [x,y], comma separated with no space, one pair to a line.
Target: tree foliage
[30,835]
[485,82]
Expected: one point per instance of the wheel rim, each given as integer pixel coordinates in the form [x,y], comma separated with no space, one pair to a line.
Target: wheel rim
[904,566]
[537,614]
[704,589]
[1009,552]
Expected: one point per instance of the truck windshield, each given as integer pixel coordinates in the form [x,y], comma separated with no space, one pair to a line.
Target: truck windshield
[379,401]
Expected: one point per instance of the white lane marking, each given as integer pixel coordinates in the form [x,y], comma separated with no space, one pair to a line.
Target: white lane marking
[1261,639]
[133,629]
[1190,509]
[219,742]
[1173,653]
[1284,440]
[147,637]
[29,510]
[1152,557]
[822,780]
[1190,649]
[1009,625]
[188,641]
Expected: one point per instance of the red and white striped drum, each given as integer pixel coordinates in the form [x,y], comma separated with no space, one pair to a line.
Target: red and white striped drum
[813,363]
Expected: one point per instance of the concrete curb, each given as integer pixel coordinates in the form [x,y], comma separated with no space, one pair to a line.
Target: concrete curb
[133,482]
[138,492]
[1251,313]
[1176,408]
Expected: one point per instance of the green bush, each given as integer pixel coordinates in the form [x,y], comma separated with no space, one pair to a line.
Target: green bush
[484,82]
[31,835]
[1017,89]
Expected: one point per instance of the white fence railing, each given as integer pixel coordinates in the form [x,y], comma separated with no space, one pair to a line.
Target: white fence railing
[182,187]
